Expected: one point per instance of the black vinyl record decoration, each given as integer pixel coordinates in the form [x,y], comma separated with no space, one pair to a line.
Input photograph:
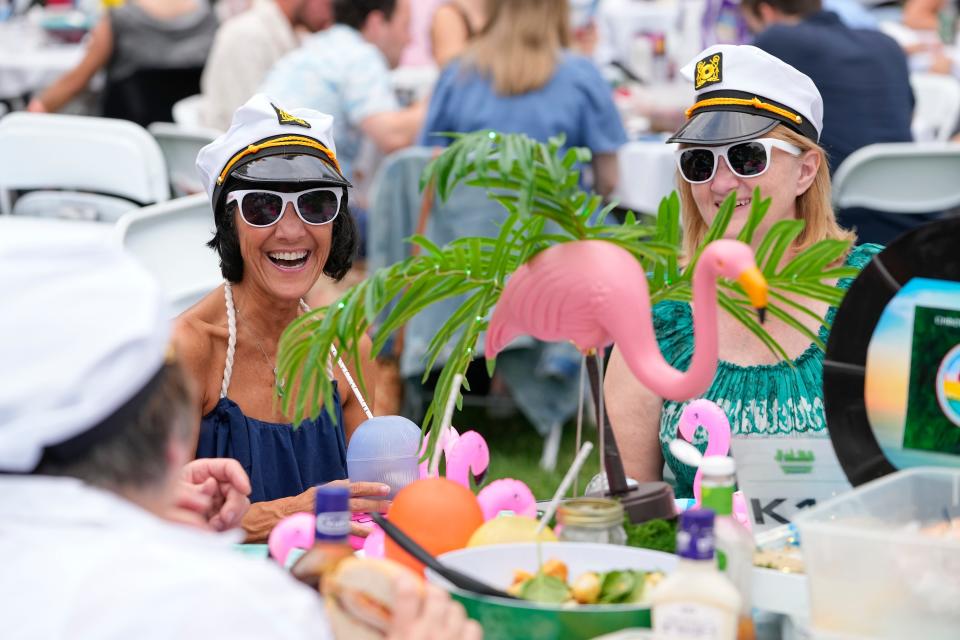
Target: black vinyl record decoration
[925,260]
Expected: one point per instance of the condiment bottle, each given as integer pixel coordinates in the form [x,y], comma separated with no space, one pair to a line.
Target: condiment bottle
[734,544]
[331,544]
[696,601]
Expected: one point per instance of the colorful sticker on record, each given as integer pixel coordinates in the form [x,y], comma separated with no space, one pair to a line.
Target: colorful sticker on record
[933,401]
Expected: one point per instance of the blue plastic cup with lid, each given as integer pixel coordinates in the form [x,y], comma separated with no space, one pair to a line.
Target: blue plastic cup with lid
[384,449]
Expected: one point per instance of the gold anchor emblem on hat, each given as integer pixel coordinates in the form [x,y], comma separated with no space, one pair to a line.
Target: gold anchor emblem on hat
[709,70]
[283,117]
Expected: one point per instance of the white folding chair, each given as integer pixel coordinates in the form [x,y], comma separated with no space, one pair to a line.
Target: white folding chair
[72,205]
[900,177]
[186,112]
[170,240]
[79,153]
[937,109]
[180,145]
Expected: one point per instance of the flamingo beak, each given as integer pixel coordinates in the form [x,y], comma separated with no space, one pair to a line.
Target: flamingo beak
[480,477]
[755,286]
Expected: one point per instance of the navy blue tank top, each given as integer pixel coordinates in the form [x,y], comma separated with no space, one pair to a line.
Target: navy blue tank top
[280,460]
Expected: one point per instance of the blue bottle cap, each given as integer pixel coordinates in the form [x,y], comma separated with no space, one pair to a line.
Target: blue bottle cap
[695,539]
[333,513]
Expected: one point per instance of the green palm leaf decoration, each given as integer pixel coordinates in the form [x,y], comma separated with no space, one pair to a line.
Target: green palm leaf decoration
[539,186]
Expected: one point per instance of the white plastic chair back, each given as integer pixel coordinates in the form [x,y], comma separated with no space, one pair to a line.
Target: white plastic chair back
[170,241]
[186,112]
[72,205]
[180,146]
[900,177]
[937,108]
[80,153]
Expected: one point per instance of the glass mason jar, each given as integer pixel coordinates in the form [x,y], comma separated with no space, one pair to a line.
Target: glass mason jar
[591,520]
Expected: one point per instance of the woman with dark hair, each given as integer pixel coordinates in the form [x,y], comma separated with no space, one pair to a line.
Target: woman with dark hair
[280,209]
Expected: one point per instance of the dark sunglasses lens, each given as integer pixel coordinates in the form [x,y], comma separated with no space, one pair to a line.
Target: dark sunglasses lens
[748,159]
[696,165]
[261,209]
[318,207]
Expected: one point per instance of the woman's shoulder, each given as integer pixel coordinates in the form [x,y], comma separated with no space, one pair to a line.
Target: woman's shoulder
[199,333]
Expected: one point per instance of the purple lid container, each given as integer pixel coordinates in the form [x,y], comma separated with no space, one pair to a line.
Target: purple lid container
[333,513]
[695,535]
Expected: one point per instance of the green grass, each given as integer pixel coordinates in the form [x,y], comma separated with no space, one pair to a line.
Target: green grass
[515,449]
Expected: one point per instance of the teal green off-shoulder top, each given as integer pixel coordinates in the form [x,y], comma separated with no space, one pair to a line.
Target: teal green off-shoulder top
[763,400]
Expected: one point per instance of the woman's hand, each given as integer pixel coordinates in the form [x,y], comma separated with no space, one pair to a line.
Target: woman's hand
[365,497]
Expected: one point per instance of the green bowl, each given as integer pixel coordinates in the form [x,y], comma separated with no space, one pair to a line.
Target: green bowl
[506,619]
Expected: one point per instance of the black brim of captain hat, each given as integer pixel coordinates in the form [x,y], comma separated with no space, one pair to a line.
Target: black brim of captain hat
[286,164]
[295,167]
[726,124]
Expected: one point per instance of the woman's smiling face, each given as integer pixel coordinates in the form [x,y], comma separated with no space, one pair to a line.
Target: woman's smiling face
[286,258]
[786,177]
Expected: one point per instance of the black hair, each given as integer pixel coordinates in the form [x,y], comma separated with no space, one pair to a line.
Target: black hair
[798,8]
[343,245]
[136,456]
[354,13]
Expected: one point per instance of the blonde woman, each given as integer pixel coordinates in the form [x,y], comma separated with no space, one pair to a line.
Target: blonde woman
[755,124]
[516,76]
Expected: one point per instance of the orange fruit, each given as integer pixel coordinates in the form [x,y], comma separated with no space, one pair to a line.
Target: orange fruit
[439,514]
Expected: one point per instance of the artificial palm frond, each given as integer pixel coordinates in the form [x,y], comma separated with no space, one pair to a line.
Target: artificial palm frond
[539,186]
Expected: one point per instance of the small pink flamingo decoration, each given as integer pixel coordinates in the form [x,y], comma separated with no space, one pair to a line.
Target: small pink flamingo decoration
[507,494]
[296,531]
[706,414]
[595,293]
[466,455]
[709,415]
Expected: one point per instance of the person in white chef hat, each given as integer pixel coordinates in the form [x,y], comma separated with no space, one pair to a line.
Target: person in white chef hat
[96,425]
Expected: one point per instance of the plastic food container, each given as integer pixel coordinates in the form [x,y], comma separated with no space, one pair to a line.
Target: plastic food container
[873,571]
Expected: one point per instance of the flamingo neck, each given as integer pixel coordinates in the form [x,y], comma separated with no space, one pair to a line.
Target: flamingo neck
[704,314]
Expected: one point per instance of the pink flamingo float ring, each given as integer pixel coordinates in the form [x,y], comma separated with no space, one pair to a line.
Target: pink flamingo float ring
[595,293]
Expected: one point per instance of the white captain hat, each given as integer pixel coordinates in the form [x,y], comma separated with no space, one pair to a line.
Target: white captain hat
[743,93]
[269,144]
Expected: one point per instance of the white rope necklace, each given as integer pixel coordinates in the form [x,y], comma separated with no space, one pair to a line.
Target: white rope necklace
[232,348]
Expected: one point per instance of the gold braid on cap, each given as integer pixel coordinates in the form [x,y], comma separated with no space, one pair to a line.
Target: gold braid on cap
[282,141]
[756,103]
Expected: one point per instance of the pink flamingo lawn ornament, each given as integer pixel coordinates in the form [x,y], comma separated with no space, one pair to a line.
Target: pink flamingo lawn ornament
[707,414]
[595,293]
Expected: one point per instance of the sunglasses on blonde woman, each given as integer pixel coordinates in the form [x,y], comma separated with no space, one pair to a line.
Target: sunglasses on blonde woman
[262,208]
[746,159]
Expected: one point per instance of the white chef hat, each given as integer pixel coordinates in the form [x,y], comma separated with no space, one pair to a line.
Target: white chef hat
[259,145]
[744,92]
[83,330]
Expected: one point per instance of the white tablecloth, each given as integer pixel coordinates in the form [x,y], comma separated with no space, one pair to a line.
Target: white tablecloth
[647,173]
[29,60]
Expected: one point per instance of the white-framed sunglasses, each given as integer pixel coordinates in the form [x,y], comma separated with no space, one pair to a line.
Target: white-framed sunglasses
[263,208]
[747,159]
